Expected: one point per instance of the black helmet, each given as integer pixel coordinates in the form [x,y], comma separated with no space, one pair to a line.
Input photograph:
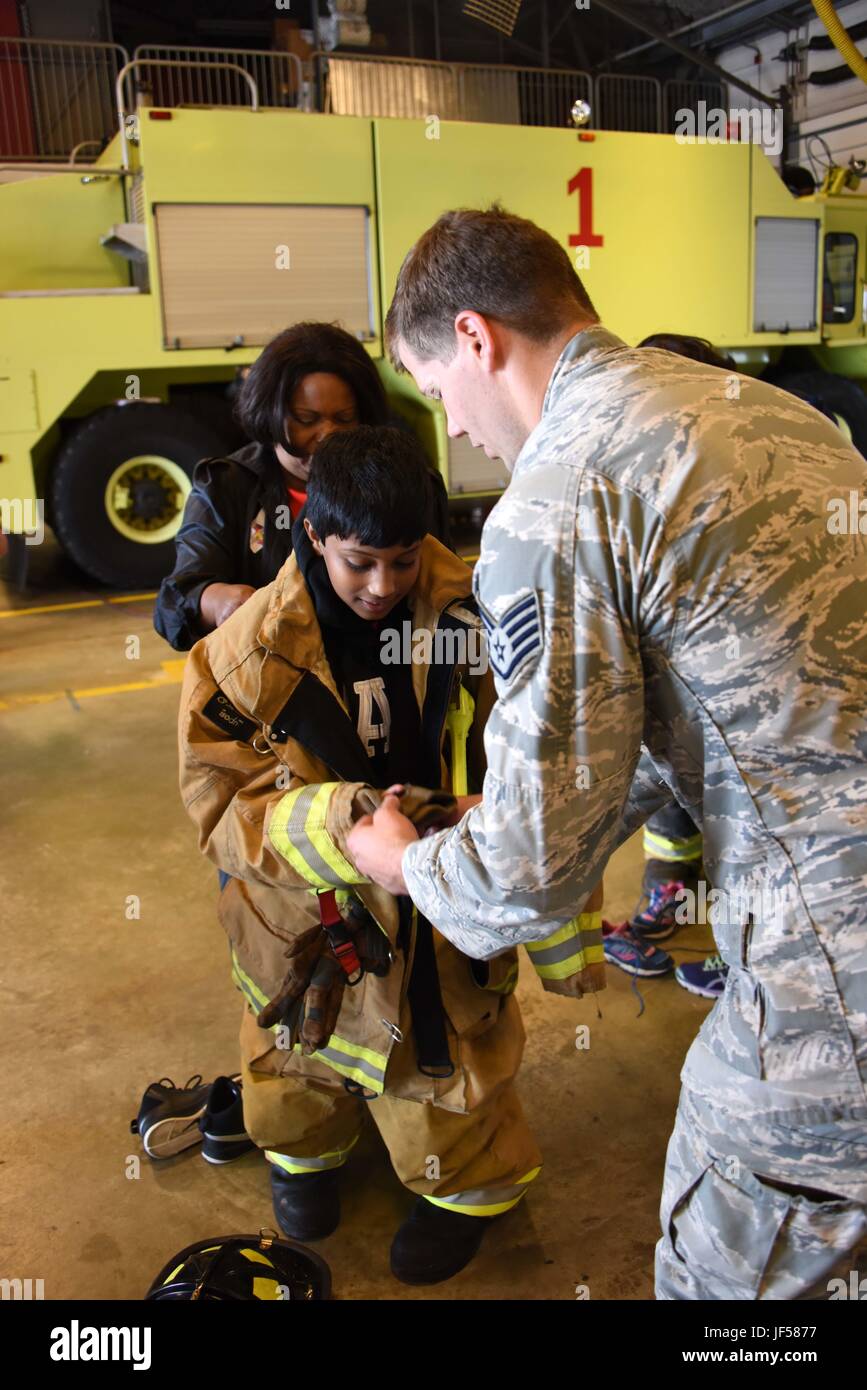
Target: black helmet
[236,1268]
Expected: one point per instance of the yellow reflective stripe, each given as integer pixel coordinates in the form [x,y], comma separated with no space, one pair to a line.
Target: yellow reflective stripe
[257,1257]
[266,1290]
[297,831]
[682,851]
[459,721]
[478,1203]
[316,1164]
[252,992]
[507,985]
[322,841]
[566,933]
[283,842]
[570,949]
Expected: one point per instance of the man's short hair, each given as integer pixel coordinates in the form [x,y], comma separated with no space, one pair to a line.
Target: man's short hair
[503,267]
[372,484]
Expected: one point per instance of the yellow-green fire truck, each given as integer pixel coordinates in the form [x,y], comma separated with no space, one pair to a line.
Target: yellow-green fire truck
[134,289]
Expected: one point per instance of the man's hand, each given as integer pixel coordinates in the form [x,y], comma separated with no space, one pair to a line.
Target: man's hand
[376,844]
[219,601]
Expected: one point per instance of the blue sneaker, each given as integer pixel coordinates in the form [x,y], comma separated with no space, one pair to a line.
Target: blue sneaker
[626,948]
[706,977]
[657,921]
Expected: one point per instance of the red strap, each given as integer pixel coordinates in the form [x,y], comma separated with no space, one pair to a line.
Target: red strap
[329,915]
[339,939]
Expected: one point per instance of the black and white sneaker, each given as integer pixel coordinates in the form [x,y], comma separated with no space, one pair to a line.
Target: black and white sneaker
[224,1137]
[169,1115]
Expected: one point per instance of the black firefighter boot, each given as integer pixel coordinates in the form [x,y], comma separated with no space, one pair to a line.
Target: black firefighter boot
[433,1244]
[306,1205]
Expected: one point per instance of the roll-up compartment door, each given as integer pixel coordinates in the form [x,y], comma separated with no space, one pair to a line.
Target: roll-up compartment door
[239,273]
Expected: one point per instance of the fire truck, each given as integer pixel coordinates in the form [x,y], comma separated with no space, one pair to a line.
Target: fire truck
[135,288]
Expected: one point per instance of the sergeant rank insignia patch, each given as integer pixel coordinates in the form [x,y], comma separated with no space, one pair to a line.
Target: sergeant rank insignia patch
[516,637]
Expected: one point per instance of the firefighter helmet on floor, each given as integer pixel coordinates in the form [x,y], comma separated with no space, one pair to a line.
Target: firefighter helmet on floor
[237,1268]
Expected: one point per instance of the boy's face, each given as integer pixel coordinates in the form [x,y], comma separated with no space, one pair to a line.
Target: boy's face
[369,581]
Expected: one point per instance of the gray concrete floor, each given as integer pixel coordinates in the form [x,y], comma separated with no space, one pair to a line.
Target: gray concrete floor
[97,1005]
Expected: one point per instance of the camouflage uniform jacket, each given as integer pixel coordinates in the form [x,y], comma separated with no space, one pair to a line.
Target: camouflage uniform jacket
[671,611]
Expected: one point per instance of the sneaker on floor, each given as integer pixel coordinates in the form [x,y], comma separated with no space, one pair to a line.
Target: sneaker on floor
[434,1243]
[224,1137]
[657,921]
[660,871]
[168,1117]
[306,1205]
[706,977]
[625,947]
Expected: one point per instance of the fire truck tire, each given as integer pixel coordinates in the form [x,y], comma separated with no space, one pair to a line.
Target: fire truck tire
[119,486]
[837,396]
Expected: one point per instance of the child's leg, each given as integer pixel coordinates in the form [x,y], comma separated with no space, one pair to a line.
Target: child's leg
[305,1121]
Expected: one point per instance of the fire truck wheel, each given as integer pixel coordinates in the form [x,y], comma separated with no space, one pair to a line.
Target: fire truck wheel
[839,397]
[119,486]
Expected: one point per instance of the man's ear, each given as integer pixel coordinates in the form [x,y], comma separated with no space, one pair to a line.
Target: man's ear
[473,330]
[313,538]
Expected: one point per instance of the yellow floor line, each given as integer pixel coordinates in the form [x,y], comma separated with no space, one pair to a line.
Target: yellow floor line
[66,607]
[50,608]
[171,673]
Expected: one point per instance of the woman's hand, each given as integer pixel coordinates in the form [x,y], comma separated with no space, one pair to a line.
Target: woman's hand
[219,601]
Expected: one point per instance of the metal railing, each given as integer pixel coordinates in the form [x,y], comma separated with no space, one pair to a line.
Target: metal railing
[359,85]
[277,76]
[125,119]
[364,85]
[56,95]
[60,96]
[685,96]
[628,103]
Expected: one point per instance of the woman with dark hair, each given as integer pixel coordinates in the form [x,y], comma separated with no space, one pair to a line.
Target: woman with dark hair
[311,380]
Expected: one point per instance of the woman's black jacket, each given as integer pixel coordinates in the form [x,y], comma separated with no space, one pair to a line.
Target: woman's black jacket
[215,542]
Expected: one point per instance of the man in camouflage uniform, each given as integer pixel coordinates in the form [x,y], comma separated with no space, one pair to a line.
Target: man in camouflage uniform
[671,615]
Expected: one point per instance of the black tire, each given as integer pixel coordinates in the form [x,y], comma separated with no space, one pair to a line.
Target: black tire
[86,463]
[836,395]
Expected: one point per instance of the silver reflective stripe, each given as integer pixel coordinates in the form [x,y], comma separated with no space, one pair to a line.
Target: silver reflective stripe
[346,1059]
[280,1160]
[482,1196]
[552,955]
[296,824]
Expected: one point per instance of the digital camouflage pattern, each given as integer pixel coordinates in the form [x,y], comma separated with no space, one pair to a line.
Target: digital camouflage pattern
[701,632]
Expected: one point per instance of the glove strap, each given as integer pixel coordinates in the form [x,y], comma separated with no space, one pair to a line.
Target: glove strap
[339,939]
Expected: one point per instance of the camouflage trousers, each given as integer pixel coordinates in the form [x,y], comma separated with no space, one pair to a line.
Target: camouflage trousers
[728,1233]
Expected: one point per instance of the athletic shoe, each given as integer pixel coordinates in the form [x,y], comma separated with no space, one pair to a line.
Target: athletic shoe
[434,1243]
[306,1205]
[626,948]
[660,871]
[657,922]
[707,977]
[168,1117]
[224,1137]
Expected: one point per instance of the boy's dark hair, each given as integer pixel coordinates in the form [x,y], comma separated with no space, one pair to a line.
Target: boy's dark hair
[502,266]
[697,349]
[371,484]
[263,401]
